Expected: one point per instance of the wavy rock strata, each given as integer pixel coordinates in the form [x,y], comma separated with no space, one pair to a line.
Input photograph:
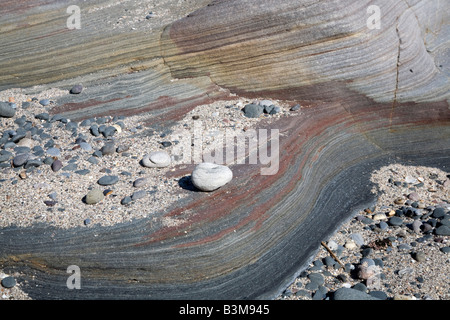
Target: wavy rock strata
[375,96]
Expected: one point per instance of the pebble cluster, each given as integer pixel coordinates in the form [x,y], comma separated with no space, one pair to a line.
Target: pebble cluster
[102,170]
[395,250]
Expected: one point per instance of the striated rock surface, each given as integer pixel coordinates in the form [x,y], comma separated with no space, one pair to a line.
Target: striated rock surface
[374,96]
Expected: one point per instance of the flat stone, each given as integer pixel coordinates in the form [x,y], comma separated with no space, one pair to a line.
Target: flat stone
[21,159]
[44,102]
[442,231]
[70,167]
[317,278]
[395,221]
[94,196]
[209,177]
[108,180]
[8,282]
[156,159]
[6,111]
[85,146]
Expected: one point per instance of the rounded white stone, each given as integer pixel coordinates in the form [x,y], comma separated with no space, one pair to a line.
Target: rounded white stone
[209,176]
[156,159]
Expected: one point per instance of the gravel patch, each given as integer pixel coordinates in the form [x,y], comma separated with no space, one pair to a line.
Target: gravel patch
[404,260]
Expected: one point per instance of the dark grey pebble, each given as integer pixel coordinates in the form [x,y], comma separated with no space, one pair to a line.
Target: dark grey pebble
[48,160]
[320,294]
[21,159]
[442,231]
[253,110]
[268,108]
[85,123]
[122,148]
[50,203]
[360,287]
[295,108]
[312,286]
[329,261]
[57,165]
[275,110]
[445,249]
[108,180]
[8,282]
[92,160]
[97,154]
[317,278]
[76,89]
[166,144]
[379,294]
[109,131]
[126,200]
[140,182]
[82,172]
[71,126]
[33,163]
[70,167]
[42,116]
[87,221]
[438,213]
[44,102]
[138,195]
[303,293]
[5,155]
[6,111]
[108,148]
[395,221]
[94,130]
[22,149]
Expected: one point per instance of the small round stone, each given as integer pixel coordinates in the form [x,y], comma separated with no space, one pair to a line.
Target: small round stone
[419,256]
[8,282]
[156,159]
[395,221]
[94,196]
[76,89]
[126,200]
[209,176]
